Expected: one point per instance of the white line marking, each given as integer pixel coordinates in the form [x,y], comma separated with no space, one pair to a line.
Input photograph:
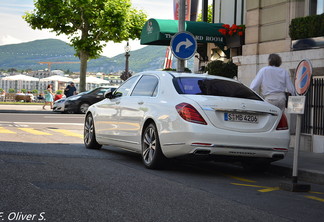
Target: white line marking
[41,123]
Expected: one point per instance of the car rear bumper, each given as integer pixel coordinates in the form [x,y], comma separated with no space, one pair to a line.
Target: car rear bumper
[250,145]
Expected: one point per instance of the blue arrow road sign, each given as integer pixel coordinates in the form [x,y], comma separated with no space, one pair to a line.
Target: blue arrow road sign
[183,45]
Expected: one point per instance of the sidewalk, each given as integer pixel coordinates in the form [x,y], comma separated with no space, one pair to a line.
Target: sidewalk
[310,165]
[25,108]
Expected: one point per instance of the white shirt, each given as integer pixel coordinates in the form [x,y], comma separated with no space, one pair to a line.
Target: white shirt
[272,80]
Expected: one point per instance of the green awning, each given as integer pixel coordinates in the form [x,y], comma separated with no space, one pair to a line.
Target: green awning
[160,32]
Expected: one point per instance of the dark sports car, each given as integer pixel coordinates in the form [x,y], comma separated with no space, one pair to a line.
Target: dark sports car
[80,103]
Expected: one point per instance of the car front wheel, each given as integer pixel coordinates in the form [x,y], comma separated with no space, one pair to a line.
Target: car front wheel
[84,108]
[90,134]
[152,155]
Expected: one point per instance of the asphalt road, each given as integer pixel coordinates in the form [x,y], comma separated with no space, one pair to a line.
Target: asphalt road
[54,178]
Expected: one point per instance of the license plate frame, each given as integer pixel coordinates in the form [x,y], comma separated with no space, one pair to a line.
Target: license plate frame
[241,117]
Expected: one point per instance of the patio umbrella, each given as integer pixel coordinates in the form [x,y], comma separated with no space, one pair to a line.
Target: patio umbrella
[94,80]
[20,77]
[57,78]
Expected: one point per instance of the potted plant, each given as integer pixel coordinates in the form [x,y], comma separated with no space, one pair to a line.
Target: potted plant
[307,32]
[58,95]
[234,35]
[220,68]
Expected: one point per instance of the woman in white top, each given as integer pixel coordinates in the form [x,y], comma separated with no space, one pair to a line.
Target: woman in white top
[274,82]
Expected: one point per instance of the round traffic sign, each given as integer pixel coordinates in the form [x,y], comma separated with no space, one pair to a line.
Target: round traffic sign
[183,45]
[303,76]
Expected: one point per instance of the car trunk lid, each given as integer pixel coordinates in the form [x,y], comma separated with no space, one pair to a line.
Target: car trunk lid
[243,115]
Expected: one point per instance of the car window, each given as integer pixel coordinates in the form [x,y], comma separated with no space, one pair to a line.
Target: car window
[125,87]
[101,91]
[146,86]
[213,87]
[82,93]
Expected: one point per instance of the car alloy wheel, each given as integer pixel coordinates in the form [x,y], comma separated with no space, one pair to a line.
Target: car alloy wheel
[84,108]
[152,155]
[89,134]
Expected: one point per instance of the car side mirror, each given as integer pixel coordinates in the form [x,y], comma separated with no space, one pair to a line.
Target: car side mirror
[108,94]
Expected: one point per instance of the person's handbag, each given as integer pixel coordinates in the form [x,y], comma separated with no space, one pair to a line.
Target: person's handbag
[287,94]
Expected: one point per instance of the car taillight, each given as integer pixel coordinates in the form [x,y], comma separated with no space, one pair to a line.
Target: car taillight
[283,123]
[190,114]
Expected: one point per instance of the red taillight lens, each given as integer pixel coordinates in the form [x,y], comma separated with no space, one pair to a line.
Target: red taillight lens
[190,114]
[283,123]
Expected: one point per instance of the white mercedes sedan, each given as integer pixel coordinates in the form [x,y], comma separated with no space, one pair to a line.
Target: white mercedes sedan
[163,115]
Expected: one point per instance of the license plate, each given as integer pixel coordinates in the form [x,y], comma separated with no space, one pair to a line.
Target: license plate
[240,117]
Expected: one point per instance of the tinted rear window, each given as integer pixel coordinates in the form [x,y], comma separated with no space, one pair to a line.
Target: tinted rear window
[213,87]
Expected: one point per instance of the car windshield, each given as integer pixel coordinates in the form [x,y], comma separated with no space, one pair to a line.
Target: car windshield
[82,93]
[213,87]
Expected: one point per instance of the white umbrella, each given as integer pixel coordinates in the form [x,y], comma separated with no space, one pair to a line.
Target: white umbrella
[91,79]
[57,78]
[20,77]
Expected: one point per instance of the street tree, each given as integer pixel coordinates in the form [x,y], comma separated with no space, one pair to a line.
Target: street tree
[209,15]
[89,24]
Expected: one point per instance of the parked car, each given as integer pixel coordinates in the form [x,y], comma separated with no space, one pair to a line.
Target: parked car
[81,102]
[169,115]
[58,105]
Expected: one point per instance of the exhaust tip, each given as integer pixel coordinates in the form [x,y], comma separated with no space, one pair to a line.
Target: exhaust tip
[278,156]
[202,152]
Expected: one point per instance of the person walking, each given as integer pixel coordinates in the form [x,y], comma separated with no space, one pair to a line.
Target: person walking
[274,82]
[49,96]
[70,90]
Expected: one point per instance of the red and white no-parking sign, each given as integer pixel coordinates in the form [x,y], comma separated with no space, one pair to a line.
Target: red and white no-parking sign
[303,76]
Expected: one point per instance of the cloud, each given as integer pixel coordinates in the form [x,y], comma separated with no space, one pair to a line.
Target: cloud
[7,40]
[15,30]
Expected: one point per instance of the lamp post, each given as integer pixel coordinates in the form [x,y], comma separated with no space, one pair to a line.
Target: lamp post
[126,73]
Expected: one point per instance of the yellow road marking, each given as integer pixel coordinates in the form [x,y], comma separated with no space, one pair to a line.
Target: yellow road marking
[241,179]
[315,198]
[68,133]
[3,130]
[269,189]
[315,192]
[266,189]
[249,185]
[33,131]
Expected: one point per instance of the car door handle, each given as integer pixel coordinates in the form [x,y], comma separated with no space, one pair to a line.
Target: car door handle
[117,102]
[140,103]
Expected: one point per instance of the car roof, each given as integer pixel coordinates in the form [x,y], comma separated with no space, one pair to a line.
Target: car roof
[184,74]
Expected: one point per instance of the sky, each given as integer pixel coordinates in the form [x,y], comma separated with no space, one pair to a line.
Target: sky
[13,29]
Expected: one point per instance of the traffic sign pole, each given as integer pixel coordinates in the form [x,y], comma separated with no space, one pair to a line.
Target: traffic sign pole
[296,105]
[181,28]
[296,151]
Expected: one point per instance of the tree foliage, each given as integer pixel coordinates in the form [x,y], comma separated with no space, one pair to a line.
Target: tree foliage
[89,24]
[220,68]
[209,15]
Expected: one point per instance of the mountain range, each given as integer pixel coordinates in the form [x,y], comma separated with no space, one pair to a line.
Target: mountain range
[27,55]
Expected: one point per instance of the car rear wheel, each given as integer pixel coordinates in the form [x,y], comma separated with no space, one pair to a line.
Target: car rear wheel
[84,108]
[152,155]
[90,134]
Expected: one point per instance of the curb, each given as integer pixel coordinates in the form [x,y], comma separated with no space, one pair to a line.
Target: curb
[311,176]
